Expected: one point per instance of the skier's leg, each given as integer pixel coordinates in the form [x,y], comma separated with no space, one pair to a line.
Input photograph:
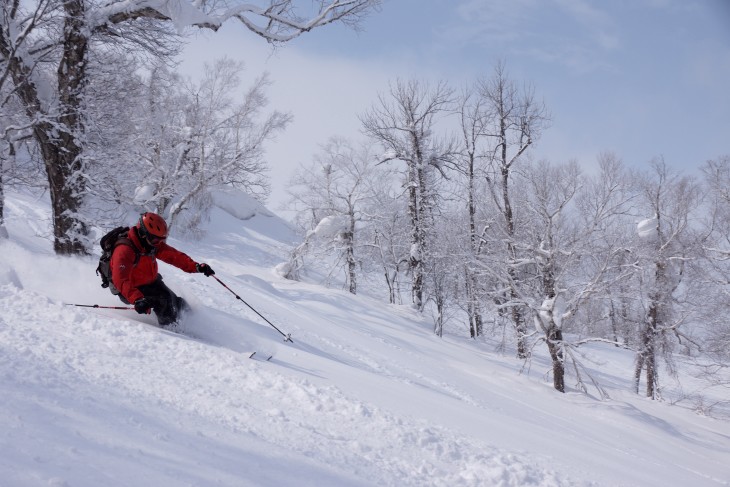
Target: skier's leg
[166,304]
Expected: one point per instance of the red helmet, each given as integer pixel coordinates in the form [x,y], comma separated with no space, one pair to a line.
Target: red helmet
[152,226]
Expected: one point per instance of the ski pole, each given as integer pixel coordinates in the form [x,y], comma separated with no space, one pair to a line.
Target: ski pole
[287,336]
[99,306]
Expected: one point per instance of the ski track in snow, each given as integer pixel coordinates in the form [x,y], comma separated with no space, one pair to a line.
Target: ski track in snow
[248,397]
[365,396]
[373,361]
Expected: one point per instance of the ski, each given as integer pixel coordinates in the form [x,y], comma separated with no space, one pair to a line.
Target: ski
[175,330]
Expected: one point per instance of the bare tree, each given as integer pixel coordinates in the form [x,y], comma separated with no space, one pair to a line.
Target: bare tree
[337,185]
[388,245]
[404,124]
[570,256]
[566,216]
[515,121]
[604,205]
[552,190]
[473,124]
[17,167]
[714,364]
[223,143]
[177,142]
[670,247]
[46,48]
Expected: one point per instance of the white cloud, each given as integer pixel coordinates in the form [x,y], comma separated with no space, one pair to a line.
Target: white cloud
[571,33]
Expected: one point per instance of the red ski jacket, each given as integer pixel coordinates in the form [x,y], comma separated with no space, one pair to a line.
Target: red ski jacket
[128,276]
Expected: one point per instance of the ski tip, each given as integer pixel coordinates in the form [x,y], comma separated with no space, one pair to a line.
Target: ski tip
[267,357]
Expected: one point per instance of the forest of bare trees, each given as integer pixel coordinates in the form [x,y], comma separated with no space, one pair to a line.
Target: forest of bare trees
[443,204]
[473,228]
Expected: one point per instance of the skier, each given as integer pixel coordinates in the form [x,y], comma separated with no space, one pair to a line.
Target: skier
[134,269]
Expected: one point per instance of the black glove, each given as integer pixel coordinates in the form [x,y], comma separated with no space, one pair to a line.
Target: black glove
[142,306]
[204,269]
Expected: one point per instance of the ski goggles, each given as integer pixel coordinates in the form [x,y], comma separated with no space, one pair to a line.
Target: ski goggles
[155,240]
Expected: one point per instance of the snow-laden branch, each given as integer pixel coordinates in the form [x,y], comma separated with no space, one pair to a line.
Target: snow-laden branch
[181,12]
[278,25]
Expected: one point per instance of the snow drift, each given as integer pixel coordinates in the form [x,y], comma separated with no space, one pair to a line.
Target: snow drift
[365,396]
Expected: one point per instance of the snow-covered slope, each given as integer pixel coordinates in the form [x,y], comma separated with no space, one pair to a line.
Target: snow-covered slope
[365,396]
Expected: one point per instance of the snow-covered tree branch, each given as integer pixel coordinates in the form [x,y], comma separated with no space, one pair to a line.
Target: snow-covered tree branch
[47,48]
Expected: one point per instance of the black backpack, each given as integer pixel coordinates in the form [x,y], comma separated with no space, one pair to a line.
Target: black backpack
[108,243]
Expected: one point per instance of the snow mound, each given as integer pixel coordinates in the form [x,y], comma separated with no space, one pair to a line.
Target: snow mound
[239,204]
[647,228]
[331,227]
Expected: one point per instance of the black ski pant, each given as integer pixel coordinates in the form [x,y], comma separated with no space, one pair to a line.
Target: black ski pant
[165,303]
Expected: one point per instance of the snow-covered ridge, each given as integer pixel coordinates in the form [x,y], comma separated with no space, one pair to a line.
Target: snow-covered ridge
[366,395]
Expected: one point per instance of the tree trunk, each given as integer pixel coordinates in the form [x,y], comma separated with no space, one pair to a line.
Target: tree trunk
[3,230]
[65,167]
[627,336]
[66,189]
[638,368]
[391,289]
[518,318]
[439,326]
[472,306]
[415,261]
[478,322]
[58,134]
[349,238]
[646,358]
[391,281]
[476,328]
[613,320]
[553,333]
[518,321]
[554,343]
[648,348]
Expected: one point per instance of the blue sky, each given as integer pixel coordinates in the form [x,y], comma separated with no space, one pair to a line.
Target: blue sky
[641,78]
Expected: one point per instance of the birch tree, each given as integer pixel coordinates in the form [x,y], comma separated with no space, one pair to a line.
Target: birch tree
[337,187]
[569,261]
[176,141]
[604,207]
[715,327]
[669,249]
[17,166]
[404,123]
[474,118]
[515,121]
[388,240]
[221,142]
[46,47]
[552,249]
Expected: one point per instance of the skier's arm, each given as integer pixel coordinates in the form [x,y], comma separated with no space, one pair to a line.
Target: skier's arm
[174,257]
[121,265]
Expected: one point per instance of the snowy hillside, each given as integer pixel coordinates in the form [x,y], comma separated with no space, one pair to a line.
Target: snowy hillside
[365,396]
